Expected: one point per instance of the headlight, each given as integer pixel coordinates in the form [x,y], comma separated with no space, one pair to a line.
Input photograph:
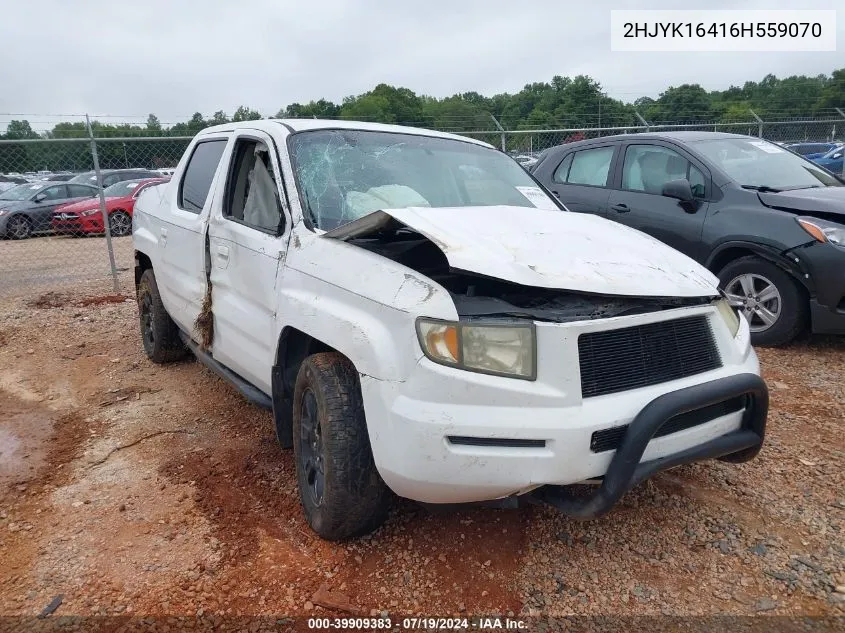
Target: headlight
[488,348]
[824,231]
[85,214]
[729,315]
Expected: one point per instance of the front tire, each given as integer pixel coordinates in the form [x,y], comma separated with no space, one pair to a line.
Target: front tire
[120,223]
[773,302]
[159,334]
[342,494]
[19,227]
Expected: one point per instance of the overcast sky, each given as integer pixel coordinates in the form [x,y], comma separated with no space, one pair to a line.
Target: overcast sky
[175,57]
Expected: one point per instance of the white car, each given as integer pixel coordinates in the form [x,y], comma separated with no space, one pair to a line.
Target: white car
[526,160]
[424,320]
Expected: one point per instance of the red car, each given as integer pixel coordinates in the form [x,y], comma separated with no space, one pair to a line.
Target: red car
[85,217]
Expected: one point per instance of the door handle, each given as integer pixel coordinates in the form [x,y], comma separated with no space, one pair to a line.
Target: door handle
[163,234]
[621,208]
[221,254]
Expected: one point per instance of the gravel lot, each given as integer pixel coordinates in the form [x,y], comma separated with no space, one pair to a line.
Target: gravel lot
[135,489]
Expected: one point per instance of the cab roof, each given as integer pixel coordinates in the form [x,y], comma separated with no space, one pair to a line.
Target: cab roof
[303,125]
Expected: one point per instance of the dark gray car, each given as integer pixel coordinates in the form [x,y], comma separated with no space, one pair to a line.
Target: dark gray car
[768,222]
[28,209]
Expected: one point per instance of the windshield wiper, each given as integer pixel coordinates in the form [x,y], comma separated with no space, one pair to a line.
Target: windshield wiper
[762,188]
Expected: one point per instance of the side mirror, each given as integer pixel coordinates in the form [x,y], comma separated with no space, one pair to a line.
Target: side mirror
[678,189]
[40,197]
[837,155]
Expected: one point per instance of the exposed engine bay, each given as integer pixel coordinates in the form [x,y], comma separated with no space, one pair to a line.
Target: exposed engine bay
[478,296]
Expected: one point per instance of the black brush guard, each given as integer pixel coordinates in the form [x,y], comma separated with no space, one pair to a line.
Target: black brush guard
[626,470]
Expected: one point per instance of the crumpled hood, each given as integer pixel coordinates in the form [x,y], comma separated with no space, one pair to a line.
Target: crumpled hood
[548,249]
[824,199]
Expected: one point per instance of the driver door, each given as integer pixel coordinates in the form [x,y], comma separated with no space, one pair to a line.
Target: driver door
[46,202]
[248,231]
[637,200]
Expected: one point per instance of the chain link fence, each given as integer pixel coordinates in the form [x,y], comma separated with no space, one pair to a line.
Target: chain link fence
[66,209]
[531,142]
[66,203]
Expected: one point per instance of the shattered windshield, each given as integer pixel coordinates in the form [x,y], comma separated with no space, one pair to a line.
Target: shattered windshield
[344,175]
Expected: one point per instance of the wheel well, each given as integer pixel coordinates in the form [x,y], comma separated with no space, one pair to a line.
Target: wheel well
[726,256]
[294,347]
[142,263]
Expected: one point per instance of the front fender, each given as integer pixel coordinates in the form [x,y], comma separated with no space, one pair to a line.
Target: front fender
[788,260]
[361,304]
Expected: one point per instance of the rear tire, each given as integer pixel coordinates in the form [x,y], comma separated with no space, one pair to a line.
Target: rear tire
[342,494]
[19,227]
[792,310]
[159,334]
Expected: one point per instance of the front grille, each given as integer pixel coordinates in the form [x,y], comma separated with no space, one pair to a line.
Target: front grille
[611,439]
[464,440]
[629,358]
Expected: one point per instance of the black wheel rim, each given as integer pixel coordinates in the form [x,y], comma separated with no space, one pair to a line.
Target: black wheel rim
[18,227]
[311,447]
[120,224]
[147,321]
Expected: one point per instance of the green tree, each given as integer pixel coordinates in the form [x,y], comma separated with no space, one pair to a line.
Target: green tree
[17,130]
[219,118]
[245,114]
[833,93]
[385,104]
[320,109]
[153,124]
[688,103]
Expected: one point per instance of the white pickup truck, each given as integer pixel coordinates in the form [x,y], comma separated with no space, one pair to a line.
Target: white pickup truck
[424,319]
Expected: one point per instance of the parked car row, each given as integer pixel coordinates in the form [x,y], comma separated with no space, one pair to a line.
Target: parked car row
[69,208]
[768,222]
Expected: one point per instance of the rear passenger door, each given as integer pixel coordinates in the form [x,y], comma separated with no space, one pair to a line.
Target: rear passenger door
[637,199]
[182,232]
[581,177]
[248,233]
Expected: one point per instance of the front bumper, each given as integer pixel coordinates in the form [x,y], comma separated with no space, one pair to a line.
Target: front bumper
[826,266]
[78,225]
[626,469]
[527,434]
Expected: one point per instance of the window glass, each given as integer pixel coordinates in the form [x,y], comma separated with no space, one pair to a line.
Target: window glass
[199,173]
[252,194]
[648,167]
[758,163]
[343,175]
[562,172]
[55,193]
[78,191]
[591,167]
[121,189]
[697,182]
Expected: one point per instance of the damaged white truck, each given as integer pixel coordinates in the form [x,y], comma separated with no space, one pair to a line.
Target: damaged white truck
[423,319]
